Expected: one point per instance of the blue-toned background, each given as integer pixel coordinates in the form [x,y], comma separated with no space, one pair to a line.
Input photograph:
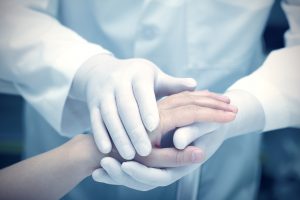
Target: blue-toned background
[280,152]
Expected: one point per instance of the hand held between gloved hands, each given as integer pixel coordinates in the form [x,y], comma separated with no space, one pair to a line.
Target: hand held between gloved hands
[175,111]
[121,97]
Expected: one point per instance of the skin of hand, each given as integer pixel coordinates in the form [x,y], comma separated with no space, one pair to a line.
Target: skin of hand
[175,111]
[121,98]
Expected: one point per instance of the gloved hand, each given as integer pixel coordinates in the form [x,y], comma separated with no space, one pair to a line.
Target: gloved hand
[250,118]
[175,111]
[121,97]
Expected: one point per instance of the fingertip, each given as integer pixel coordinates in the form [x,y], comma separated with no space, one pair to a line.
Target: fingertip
[197,156]
[145,148]
[233,108]
[179,139]
[97,174]
[236,110]
[105,147]
[105,161]
[233,116]
[128,153]
[152,122]
[229,116]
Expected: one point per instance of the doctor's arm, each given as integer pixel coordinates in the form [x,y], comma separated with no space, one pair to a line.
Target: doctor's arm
[68,79]
[268,99]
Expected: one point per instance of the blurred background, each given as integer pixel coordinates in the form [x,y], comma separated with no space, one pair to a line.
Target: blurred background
[280,150]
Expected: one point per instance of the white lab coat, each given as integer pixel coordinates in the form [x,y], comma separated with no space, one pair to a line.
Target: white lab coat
[216,42]
[276,84]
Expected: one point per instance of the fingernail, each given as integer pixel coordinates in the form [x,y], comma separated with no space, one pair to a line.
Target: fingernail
[128,152]
[151,123]
[197,156]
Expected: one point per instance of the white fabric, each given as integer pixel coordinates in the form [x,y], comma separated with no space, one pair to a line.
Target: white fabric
[276,86]
[39,56]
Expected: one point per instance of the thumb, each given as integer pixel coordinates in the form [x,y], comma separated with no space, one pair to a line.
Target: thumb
[188,134]
[166,85]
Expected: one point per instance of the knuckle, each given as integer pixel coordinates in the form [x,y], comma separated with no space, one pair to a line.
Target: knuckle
[146,62]
[115,78]
[179,158]
[138,84]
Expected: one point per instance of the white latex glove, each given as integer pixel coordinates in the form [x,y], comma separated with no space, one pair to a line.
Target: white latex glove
[117,176]
[121,97]
[144,178]
[137,176]
[250,118]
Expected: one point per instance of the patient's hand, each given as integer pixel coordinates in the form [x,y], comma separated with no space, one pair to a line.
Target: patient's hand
[175,111]
[183,109]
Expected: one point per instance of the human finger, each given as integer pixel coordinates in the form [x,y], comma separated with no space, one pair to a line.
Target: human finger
[100,134]
[172,157]
[115,127]
[130,116]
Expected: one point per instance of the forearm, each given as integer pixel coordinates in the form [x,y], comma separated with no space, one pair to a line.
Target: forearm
[276,86]
[250,117]
[52,174]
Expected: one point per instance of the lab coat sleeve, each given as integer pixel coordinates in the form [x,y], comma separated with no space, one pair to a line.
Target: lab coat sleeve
[40,57]
[276,86]
[276,83]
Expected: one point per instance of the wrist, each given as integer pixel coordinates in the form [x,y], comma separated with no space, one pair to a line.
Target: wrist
[84,154]
[250,117]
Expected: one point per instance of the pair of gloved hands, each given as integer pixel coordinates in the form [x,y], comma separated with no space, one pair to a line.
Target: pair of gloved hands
[121,96]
